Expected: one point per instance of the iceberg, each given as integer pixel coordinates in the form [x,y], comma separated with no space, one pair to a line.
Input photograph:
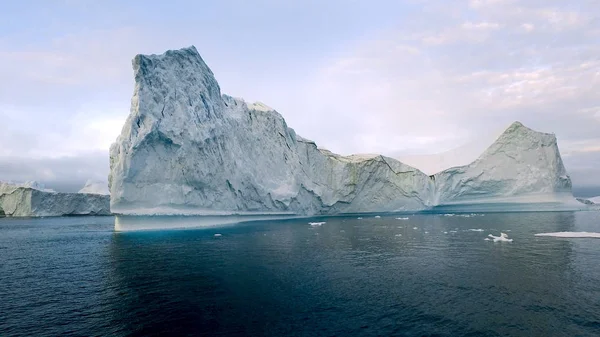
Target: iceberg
[95,187]
[188,149]
[522,167]
[571,235]
[33,200]
[502,238]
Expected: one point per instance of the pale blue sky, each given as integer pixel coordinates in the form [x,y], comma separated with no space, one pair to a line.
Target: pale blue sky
[413,76]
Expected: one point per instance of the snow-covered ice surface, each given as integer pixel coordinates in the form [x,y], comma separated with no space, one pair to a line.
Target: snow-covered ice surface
[187,149]
[95,187]
[33,200]
[571,235]
[595,200]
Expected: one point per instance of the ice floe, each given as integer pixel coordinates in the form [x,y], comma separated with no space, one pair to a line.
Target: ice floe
[572,235]
[402,218]
[314,224]
[218,235]
[502,238]
[475,230]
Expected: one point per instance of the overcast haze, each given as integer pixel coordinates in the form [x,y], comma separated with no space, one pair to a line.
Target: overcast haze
[393,77]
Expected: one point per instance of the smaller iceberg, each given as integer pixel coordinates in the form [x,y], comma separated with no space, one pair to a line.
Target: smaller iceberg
[571,235]
[502,238]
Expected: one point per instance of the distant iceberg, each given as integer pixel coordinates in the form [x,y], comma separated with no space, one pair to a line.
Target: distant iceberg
[571,235]
[32,199]
[95,187]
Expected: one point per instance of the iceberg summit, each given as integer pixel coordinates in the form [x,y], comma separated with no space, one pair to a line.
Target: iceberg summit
[187,149]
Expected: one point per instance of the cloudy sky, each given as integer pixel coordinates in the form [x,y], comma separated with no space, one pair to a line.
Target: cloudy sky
[384,76]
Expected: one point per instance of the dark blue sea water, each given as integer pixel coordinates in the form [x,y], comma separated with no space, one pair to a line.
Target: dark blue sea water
[77,276]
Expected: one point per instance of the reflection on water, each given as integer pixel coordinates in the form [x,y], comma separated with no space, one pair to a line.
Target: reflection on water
[346,277]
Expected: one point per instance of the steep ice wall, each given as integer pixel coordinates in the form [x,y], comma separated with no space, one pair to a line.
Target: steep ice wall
[19,201]
[185,148]
[95,187]
[521,166]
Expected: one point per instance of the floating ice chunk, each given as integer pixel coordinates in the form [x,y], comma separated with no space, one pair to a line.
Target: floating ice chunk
[314,224]
[398,235]
[426,232]
[502,238]
[488,239]
[449,214]
[475,230]
[415,227]
[453,231]
[377,217]
[571,235]
[218,235]
[445,232]
[359,218]
[401,218]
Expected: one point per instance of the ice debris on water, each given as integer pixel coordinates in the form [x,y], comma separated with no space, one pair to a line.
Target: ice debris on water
[314,224]
[398,235]
[218,235]
[401,218]
[502,238]
[415,227]
[359,218]
[475,230]
[377,217]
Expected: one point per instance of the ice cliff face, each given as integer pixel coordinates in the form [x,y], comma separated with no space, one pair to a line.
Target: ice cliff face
[95,187]
[522,165]
[187,149]
[21,201]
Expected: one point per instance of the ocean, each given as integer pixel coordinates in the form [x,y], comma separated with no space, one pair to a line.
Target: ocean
[401,275]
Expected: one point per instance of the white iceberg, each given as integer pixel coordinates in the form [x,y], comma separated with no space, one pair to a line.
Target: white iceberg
[33,200]
[571,235]
[502,238]
[187,149]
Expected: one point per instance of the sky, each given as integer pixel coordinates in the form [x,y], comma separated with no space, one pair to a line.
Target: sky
[380,76]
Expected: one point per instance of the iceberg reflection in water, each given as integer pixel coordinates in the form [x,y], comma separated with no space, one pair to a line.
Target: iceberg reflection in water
[125,223]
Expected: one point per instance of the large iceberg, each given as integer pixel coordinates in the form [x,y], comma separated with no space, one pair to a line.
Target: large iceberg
[522,167]
[187,149]
[32,200]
